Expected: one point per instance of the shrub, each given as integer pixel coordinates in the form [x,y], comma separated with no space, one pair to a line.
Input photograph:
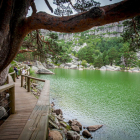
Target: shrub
[84,63]
[32,72]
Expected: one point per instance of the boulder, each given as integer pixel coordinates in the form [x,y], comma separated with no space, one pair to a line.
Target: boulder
[117,68]
[62,65]
[72,135]
[3,112]
[44,64]
[55,135]
[76,123]
[63,124]
[75,128]
[86,134]
[109,67]
[58,111]
[50,66]
[80,66]
[34,68]
[68,64]
[135,70]
[103,68]
[91,67]
[94,127]
[42,69]
[88,65]
[73,67]
[66,67]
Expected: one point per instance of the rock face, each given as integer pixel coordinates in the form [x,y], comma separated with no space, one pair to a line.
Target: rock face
[42,69]
[86,134]
[94,127]
[71,135]
[55,135]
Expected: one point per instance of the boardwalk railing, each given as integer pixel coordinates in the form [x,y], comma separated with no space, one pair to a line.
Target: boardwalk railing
[11,88]
[13,74]
[36,127]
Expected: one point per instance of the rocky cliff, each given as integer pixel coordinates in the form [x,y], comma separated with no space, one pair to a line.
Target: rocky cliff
[109,30]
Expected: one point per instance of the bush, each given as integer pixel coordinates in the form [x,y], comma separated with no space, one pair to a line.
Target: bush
[11,69]
[32,72]
[84,63]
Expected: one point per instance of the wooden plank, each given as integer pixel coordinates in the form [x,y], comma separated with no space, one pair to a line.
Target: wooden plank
[36,127]
[7,86]
[9,137]
[38,79]
[11,133]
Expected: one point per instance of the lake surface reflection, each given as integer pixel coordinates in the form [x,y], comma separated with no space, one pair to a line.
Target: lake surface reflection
[99,97]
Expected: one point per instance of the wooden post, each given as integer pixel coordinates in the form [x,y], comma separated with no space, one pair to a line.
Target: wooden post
[7,79]
[21,80]
[14,77]
[20,71]
[26,78]
[29,71]
[29,84]
[12,100]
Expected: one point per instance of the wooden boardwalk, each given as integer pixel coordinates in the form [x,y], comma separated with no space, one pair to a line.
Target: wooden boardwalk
[24,105]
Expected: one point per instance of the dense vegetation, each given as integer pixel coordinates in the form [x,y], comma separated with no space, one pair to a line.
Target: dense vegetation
[41,48]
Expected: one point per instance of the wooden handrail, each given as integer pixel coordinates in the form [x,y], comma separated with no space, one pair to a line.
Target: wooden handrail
[5,87]
[14,76]
[38,79]
[11,88]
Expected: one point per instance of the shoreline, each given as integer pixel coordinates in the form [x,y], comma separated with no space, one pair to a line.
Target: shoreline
[102,70]
[69,128]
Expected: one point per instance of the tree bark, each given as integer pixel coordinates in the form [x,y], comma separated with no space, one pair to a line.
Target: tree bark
[86,20]
[3,76]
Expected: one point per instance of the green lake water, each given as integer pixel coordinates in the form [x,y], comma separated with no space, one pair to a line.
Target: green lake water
[95,97]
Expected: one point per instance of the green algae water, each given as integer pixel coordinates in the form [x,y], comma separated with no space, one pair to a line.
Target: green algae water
[93,97]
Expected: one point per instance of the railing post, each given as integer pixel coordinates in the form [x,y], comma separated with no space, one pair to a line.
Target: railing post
[26,78]
[28,84]
[14,77]
[20,71]
[21,80]
[12,100]
[29,71]
[7,79]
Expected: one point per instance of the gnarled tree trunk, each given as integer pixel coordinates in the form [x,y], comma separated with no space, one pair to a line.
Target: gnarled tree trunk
[3,76]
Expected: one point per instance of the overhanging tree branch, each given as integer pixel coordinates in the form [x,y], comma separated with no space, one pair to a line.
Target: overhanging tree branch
[86,20]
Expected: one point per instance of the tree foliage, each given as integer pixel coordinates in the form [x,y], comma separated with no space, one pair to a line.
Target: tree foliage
[43,48]
[131,33]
